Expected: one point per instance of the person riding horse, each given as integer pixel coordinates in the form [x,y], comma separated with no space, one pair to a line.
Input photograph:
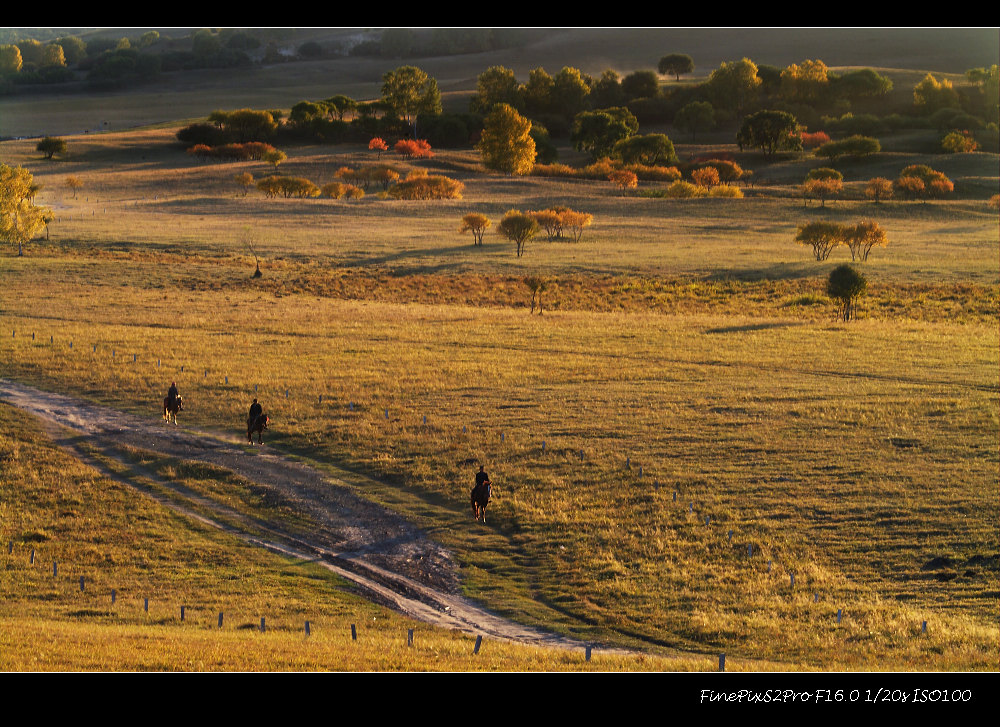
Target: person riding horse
[481,493]
[255,411]
[172,395]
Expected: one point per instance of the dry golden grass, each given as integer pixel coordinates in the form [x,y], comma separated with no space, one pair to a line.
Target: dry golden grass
[690,339]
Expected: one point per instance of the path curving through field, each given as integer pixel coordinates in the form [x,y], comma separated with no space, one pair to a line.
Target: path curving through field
[389,559]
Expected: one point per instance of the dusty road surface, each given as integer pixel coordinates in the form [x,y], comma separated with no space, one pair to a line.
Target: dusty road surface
[393,562]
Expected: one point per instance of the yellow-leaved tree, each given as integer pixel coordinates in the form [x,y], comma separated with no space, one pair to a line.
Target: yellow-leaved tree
[20,218]
[506,144]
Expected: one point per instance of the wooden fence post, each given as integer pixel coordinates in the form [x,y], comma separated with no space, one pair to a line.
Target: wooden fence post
[722,662]
[479,642]
[354,633]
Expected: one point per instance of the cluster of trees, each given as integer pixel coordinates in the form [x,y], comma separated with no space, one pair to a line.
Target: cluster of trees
[521,227]
[824,237]
[917,181]
[248,151]
[353,183]
[419,185]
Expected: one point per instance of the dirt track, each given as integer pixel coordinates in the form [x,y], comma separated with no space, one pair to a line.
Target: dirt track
[389,559]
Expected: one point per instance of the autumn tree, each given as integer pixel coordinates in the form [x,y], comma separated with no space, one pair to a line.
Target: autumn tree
[623,179]
[805,83]
[575,222]
[378,145]
[519,228]
[414,149]
[878,188]
[846,285]
[919,180]
[537,285]
[862,237]
[477,224]
[550,220]
[20,218]
[822,183]
[506,144]
[676,64]
[956,142]
[822,237]
[275,157]
[244,181]
[73,183]
[50,146]
[705,177]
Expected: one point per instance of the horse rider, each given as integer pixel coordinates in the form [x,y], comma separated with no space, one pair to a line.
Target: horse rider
[481,479]
[255,411]
[172,395]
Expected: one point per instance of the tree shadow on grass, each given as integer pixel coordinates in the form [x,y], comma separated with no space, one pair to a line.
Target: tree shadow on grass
[776,271]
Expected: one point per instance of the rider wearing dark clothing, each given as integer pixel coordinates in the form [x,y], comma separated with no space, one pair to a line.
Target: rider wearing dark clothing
[255,411]
[481,478]
[172,394]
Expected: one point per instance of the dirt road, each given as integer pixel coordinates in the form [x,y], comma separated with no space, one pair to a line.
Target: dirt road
[387,557]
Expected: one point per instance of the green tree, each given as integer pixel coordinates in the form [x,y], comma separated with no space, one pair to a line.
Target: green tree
[53,56]
[570,92]
[496,85]
[734,85]
[607,91]
[676,64]
[50,146]
[598,131]
[537,92]
[649,149]
[74,49]
[771,132]
[846,285]
[640,84]
[931,95]
[852,146]
[695,116]
[506,144]
[10,59]
[408,91]
[20,218]
[518,228]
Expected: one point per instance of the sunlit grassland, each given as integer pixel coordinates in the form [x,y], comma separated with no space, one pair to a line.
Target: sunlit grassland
[850,455]
[686,348]
[55,509]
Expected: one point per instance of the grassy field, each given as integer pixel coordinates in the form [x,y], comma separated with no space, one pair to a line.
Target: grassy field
[684,429]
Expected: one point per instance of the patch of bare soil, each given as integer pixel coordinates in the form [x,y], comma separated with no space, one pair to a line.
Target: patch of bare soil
[389,559]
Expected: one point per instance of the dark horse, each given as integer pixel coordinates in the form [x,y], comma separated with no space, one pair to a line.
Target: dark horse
[480,498]
[257,424]
[170,410]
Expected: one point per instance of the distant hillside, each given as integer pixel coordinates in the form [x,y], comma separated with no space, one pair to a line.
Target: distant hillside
[346,66]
